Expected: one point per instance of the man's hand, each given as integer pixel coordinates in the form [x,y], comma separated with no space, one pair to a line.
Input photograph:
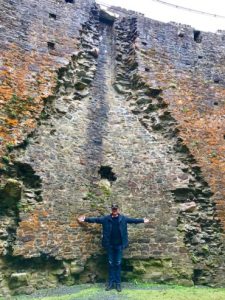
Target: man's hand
[146,220]
[81,219]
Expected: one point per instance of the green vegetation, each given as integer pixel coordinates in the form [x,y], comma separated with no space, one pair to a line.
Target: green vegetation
[16,106]
[194,143]
[100,195]
[140,292]
[179,293]
[95,199]
[5,159]
[185,109]
[22,207]
[213,154]
[9,146]
[43,115]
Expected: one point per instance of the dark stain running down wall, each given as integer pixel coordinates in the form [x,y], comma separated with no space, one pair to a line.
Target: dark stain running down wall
[98,109]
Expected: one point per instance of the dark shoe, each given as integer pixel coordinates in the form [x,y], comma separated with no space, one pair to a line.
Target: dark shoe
[118,288]
[109,287]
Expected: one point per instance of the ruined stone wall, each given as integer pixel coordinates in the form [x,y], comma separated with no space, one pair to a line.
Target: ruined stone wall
[130,120]
[188,65]
[190,73]
[147,97]
[37,37]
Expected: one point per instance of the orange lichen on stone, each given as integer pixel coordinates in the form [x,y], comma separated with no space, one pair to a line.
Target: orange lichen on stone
[26,79]
[199,108]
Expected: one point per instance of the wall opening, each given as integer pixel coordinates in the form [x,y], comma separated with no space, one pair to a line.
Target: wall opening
[216,80]
[51,46]
[197,274]
[153,92]
[52,16]
[106,17]
[26,173]
[180,34]
[197,36]
[69,1]
[107,173]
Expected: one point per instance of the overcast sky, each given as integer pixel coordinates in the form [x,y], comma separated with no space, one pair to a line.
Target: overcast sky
[165,13]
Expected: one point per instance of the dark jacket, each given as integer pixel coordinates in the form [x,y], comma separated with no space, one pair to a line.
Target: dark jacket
[106,222]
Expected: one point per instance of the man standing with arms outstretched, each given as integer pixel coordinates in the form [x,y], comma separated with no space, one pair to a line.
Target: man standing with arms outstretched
[115,239]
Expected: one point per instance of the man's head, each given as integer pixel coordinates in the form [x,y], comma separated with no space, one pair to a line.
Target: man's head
[115,209]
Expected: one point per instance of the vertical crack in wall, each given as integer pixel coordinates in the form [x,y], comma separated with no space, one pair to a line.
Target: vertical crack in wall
[197,217]
[98,106]
[99,191]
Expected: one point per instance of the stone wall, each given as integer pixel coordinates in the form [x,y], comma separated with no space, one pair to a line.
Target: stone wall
[127,110]
[189,68]
[198,217]
[37,38]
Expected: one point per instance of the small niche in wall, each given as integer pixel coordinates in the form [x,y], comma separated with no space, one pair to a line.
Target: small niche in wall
[216,79]
[107,173]
[180,33]
[106,17]
[52,16]
[69,1]
[51,46]
[197,36]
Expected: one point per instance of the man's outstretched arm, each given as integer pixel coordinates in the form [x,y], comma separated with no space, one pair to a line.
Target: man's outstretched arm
[98,220]
[137,220]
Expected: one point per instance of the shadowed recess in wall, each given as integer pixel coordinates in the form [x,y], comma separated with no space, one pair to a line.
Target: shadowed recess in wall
[107,173]
[98,107]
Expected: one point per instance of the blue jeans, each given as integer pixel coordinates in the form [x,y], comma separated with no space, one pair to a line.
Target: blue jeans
[114,259]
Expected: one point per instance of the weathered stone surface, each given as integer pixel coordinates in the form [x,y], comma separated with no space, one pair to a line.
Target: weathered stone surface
[13,189]
[28,63]
[80,85]
[188,207]
[156,117]
[96,134]
[75,268]
[19,278]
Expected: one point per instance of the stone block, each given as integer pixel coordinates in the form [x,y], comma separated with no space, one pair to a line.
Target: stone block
[76,269]
[13,189]
[19,279]
[188,207]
